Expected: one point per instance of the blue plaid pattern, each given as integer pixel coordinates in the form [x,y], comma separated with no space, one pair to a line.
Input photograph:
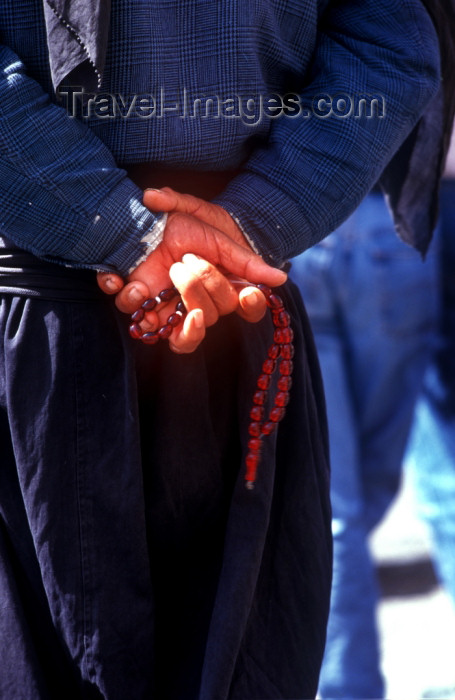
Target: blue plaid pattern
[62,194]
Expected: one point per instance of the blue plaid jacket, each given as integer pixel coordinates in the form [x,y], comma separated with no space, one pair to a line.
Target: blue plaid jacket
[209,85]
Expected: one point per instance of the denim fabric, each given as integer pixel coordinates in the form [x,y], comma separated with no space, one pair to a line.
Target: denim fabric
[372,305]
[431,453]
[431,464]
[134,563]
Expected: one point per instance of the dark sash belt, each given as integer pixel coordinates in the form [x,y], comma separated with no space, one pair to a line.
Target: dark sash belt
[24,274]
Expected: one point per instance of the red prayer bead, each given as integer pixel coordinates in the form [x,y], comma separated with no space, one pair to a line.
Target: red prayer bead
[283,336]
[168,294]
[265,290]
[286,367]
[274,301]
[251,461]
[165,331]
[282,398]
[174,320]
[135,331]
[276,414]
[288,335]
[149,304]
[278,336]
[269,366]
[287,351]
[274,351]
[263,381]
[268,427]
[282,319]
[259,398]
[138,315]
[254,429]
[180,307]
[254,444]
[284,383]
[150,338]
[257,413]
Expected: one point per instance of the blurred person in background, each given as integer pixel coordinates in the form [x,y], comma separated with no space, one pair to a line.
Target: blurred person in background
[374,309]
[431,453]
[372,304]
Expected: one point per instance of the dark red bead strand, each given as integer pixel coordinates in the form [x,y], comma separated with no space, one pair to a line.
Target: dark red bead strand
[279,356]
[256,427]
[172,322]
[252,461]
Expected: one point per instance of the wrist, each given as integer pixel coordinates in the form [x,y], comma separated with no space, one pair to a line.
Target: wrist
[149,242]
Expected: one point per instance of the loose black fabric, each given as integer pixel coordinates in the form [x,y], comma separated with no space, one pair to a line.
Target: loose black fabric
[134,563]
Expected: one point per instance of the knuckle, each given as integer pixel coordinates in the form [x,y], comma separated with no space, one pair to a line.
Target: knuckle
[207,274]
[211,316]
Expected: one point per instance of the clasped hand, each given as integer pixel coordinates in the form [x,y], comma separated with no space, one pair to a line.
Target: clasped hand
[202,248]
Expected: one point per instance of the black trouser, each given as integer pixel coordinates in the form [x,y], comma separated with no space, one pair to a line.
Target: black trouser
[133,561]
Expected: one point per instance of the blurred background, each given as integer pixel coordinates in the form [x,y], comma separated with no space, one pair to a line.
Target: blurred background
[416,615]
[384,326]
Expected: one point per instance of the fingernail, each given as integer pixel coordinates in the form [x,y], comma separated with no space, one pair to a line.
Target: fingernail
[189,258]
[198,318]
[193,261]
[250,298]
[134,295]
[110,284]
[152,189]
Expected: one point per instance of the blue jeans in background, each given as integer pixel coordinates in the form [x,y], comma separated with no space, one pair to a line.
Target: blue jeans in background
[431,453]
[372,304]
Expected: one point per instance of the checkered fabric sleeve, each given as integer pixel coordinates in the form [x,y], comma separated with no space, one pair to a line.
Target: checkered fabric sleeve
[62,197]
[314,171]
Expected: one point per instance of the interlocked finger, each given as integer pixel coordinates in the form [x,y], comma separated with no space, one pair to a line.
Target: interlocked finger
[185,339]
[203,286]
